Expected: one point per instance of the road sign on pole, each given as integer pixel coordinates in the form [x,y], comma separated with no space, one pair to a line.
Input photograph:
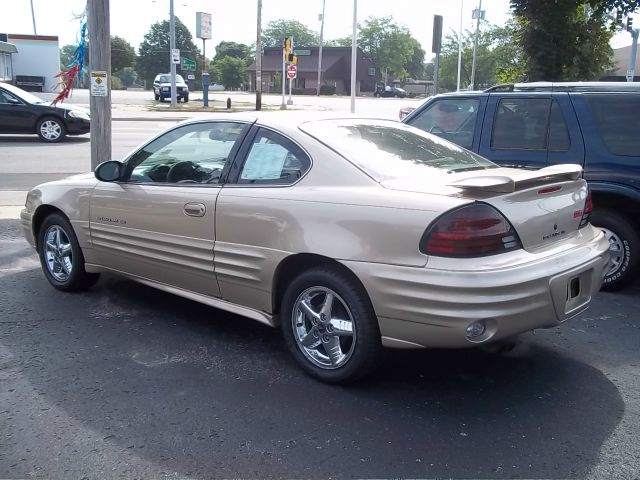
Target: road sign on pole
[175,56]
[292,71]
[187,64]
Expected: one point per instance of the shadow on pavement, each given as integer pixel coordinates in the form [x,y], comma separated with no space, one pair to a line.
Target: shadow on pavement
[34,140]
[196,391]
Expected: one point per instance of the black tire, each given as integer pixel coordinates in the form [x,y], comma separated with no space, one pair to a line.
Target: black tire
[47,134]
[626,256]
[185,99]
[365,348]
[157,97]
[78,279]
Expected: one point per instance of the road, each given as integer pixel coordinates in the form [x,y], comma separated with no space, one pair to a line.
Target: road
[125,381]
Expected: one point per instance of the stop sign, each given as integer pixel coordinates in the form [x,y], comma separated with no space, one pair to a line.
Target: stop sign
[292,71]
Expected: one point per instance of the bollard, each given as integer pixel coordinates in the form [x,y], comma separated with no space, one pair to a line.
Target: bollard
[228,103]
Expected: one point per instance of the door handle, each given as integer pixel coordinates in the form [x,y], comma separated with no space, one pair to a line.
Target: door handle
[195,209]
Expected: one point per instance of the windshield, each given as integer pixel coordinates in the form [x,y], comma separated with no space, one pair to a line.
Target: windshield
[386,149]
[22,94]
[167,79]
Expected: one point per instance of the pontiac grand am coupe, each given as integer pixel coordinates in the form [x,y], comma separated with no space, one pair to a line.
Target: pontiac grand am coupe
[349,234]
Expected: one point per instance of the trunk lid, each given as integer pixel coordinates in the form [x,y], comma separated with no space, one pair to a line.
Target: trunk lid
[544,206]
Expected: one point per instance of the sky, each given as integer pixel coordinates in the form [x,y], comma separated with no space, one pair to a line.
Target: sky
[235,20]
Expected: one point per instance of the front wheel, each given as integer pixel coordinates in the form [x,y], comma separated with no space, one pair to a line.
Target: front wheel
[51,130]
[185,99]
[61,256]
[330,326]
[623,248]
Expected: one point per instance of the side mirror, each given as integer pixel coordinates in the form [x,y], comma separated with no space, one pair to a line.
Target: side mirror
[109,171]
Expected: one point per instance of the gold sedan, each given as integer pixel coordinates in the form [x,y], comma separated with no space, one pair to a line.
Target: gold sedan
[350,234]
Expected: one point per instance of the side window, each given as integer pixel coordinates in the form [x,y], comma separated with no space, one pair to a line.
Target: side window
[521,124]
[5,96]
[453,119]
[273,159]
[616,116]
[558,134]
[194,153]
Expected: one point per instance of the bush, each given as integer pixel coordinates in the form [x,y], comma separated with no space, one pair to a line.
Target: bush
[116,83]
[327,89]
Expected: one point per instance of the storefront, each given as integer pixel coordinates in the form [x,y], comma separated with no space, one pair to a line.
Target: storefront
[6,61]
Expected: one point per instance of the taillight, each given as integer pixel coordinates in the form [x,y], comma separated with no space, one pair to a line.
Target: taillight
[474,230]
[588,208]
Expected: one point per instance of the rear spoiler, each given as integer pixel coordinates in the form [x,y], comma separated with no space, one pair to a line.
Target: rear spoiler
[522,179]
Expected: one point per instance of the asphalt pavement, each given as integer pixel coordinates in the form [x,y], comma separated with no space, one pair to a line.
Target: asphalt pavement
[124,381]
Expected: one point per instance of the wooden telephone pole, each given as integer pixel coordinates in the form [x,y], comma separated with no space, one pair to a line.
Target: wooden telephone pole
[100,72]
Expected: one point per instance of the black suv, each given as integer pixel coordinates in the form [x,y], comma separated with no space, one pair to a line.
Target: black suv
[534,125]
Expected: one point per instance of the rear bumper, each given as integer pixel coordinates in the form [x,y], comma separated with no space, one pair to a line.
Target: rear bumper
[27,229]
[427,307]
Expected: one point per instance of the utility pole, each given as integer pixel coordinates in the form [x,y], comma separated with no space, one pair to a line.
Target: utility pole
[631,71]
[259,59]
[33,19]
[320,50]
[354,57]
[172,46]
[475,46]
[100,100]
[460,46]
[436,47]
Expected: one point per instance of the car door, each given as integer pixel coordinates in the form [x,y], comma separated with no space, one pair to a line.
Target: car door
[158,221]
[253,210]
[456,119]
[16,116]
[515,130]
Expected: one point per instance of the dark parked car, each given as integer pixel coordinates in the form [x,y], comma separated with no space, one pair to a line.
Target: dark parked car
[389,91]
[23,112]
[535,125]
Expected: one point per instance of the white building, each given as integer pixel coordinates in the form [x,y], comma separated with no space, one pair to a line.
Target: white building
[33,61]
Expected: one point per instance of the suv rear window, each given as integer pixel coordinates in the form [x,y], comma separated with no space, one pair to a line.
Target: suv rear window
[616,116]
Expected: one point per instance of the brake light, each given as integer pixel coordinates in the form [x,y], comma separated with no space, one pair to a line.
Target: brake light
[473,230]
[588,208]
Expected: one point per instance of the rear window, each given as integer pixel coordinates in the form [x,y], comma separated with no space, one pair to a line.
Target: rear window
[616,116]
[386,149]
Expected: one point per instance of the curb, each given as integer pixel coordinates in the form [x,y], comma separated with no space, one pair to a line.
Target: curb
[149,119]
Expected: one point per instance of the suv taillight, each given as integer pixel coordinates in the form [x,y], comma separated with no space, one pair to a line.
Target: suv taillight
[588,208]
[473,230]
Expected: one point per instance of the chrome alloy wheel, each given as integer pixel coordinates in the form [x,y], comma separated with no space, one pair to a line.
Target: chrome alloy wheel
[50,129]
[323,327]
[57,253]
[617,251]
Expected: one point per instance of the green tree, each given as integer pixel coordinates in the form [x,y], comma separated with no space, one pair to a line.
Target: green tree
[276,31]
[66,55]
[391,47]
[498,59]
[230,72]
[233,49]
[566,39]
[153,52]
[122,54]
[338,42]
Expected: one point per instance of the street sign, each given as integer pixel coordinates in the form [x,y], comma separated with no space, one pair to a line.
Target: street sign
[191,76]
[99,83]
[292,71]
[305,52]
[175,56]
[187,64]
[630,75]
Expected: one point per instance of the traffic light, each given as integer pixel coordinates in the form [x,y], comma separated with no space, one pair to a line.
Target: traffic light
[292,59]
[629,24]
[618,17]
[287,46]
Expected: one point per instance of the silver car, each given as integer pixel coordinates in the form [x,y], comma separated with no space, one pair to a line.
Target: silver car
[348,234]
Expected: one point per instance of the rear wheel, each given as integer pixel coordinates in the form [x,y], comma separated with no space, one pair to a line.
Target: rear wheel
[61,256]
[623,247]
[185,99]
[330,326]
[157,97]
